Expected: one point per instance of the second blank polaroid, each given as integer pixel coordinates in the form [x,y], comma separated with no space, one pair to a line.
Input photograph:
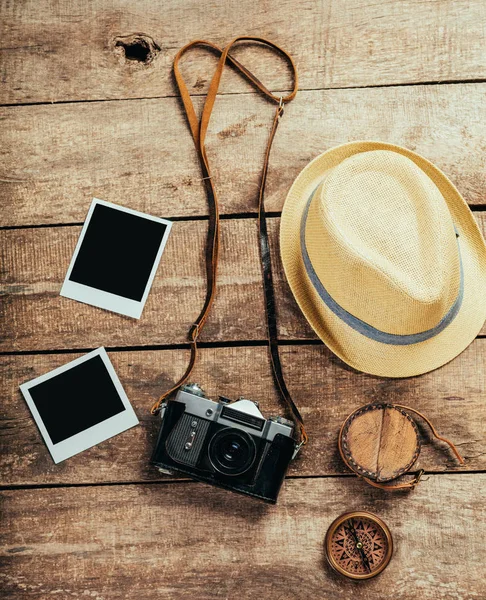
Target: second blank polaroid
[116,258]
[79,404]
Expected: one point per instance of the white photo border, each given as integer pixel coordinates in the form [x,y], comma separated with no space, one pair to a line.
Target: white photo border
[93,435]
[100,298]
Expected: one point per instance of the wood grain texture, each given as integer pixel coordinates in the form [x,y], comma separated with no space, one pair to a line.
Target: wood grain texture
[325,390]
[35,317]
[58,51]
[190,541]
[124,530]
[140,153]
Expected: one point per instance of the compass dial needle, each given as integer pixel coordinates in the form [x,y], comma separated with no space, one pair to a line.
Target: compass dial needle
[359,544]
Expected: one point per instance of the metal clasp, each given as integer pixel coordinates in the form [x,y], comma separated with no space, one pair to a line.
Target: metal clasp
[418,477]
[297,449]
[195,330]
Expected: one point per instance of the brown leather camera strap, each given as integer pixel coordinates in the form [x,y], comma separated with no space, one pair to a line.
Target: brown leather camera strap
[199,129]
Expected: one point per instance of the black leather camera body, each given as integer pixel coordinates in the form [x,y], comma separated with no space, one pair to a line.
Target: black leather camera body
[228,445]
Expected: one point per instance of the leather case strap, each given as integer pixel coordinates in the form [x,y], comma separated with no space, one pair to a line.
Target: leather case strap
[199,129]
[409,485]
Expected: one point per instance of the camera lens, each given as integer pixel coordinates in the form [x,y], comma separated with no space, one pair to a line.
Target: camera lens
[232,451]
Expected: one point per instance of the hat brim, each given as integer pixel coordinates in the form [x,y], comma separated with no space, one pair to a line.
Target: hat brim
[355,349]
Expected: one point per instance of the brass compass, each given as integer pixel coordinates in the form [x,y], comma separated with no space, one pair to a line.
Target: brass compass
[358,545]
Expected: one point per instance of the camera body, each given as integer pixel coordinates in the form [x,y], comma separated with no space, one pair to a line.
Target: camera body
[228,445]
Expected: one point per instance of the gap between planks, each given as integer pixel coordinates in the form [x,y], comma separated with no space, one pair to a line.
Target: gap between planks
[252,93]
[475,208]
[175,219]
[182,346]
[180,480]
[184,481]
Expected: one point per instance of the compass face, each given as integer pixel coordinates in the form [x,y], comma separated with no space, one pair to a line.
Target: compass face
[358,545]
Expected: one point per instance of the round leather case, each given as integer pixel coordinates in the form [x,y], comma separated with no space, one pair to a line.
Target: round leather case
[380,442]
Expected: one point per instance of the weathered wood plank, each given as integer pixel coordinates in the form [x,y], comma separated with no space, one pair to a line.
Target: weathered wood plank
[191,541]
[35,317]
[140,153]
[58,51]
[325,390]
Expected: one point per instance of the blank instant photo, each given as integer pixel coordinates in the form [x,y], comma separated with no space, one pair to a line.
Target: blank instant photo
[79,405]
[116,258]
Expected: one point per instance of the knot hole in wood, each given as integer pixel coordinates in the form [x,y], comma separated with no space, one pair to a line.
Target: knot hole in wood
[138,47]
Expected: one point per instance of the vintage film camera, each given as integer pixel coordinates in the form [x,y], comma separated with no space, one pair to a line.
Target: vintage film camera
[229,445]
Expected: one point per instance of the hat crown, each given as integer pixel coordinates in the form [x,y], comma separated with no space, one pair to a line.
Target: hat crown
[382,242]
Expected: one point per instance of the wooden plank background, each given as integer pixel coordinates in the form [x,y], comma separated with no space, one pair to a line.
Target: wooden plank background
[130,152]
[325,391]
[173,541]
[59,51]
[81,119]
[35,261]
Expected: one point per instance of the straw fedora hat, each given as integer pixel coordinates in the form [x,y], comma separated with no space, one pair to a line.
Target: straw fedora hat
[384,258]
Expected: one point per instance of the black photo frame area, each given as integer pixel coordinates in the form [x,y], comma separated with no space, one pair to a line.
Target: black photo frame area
[116,258]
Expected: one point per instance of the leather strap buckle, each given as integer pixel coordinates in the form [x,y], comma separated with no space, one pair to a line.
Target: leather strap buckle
[418,477]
